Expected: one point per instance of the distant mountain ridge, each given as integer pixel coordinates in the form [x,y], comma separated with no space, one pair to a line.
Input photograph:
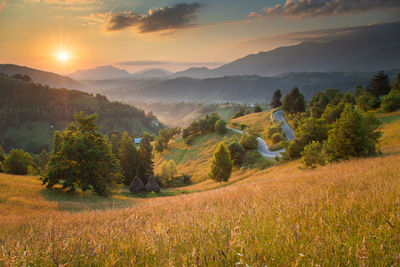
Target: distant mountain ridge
[250,89]
[100,73]
[44,77]
[152,73]
[370,48]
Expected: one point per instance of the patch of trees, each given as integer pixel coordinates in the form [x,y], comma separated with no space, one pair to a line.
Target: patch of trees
[25,101]
[338,126]
[201,126]
[275,134]
[163,138]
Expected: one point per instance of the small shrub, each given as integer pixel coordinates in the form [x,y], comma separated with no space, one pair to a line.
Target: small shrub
[391,102]
[220,127]
[189,141]
[312,155]
[237,153]
[17,162]
[276,138]
[248,141]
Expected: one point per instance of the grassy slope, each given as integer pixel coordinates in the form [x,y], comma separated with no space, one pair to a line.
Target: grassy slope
[196,159]
[335,215]
[340,214]
[391,132]
[260,121]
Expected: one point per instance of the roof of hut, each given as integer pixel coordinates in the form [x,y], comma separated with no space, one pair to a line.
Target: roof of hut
[136,185]
[152,185]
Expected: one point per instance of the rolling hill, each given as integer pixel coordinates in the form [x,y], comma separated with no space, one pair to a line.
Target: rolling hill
[30,113]
[43,77]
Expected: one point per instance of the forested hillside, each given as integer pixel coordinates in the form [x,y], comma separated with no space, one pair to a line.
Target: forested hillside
[30,113]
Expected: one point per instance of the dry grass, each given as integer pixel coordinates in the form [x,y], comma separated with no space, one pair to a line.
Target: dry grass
[260,121]
[391,132]
[342,214]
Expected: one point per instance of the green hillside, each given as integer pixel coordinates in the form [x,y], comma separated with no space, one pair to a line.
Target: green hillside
[30,113]
[183,113]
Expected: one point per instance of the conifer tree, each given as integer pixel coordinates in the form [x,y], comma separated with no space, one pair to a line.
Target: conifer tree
[145,157]
[379,85]
[128,158]
[276,99]
[221,165]
[294,102]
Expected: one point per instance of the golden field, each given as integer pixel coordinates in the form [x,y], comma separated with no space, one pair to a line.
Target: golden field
[340,214]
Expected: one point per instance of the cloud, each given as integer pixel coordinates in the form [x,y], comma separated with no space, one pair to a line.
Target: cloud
[2,4]
[167,18]
[69,4]
[160,62]
[320,8]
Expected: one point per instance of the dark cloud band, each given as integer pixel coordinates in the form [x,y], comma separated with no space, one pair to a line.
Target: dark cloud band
[178,16]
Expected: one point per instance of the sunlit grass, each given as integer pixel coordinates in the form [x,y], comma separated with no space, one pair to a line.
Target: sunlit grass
[339,214]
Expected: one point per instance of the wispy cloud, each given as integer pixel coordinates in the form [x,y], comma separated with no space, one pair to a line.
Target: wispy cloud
[160,62]
[68,4]
[320,8]
[2,4]
[167,18]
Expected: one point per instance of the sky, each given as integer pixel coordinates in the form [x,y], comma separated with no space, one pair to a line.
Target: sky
[66,35]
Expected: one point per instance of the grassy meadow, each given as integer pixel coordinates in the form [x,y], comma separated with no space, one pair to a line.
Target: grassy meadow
[340,214]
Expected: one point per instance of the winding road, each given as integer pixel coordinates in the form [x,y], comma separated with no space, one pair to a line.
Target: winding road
[262,145]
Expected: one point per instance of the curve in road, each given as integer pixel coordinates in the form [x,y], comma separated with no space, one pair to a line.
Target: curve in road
[262,146]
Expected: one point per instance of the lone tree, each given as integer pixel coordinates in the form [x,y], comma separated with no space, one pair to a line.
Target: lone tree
[84,159]
[145,157]
[379,85]
[128,158]
[221,165]
[294,102]
[276,99]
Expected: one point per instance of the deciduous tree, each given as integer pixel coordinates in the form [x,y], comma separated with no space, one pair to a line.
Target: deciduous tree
[221,165]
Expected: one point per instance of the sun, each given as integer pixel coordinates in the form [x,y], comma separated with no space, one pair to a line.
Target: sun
[63,56]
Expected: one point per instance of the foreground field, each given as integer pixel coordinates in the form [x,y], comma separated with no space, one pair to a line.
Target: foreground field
[340,214]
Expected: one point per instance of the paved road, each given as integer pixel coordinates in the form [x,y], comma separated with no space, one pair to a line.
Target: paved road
[262,146]
[278,115]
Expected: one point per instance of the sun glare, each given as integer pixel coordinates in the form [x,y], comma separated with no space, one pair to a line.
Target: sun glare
[63,56]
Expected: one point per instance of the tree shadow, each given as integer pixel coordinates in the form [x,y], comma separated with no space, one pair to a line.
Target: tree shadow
[83,201]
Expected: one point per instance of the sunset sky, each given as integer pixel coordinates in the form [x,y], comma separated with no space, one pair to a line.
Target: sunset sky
[66,35]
